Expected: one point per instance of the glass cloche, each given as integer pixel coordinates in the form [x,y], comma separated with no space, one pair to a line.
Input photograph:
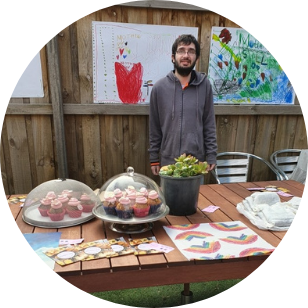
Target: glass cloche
[129,200]
[59,203]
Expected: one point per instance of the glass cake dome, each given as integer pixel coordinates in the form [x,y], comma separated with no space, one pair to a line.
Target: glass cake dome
[59,203]
[130,201]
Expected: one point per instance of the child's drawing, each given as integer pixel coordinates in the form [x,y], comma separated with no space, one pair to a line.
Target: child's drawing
[241,70]
[129,58]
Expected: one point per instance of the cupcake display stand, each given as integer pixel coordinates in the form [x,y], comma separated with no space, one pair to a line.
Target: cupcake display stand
[122,217]
[131,225]
[36,213]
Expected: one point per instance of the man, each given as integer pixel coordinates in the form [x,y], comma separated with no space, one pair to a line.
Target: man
[182,118]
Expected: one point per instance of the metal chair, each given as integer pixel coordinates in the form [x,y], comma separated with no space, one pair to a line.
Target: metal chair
[285,161]
[234,167]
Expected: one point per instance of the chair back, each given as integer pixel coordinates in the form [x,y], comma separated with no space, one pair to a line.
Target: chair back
[234,167]
[285,161]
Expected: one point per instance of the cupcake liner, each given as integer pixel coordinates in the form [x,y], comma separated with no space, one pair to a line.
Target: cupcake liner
[154,208]
[141,212]
[43,212]
[87,208]
[126,214]
[109,210]
[56,216]
[74,214]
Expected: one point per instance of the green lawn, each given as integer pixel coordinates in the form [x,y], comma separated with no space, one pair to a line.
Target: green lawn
[165,296]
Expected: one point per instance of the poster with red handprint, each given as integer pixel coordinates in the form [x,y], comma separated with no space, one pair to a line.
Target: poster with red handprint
[129,58]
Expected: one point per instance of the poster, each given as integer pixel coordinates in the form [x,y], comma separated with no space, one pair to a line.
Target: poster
[242,70]
[222,240]
[129,58]
[30,84]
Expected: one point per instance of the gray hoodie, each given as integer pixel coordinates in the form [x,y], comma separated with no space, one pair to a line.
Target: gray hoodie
[182,120]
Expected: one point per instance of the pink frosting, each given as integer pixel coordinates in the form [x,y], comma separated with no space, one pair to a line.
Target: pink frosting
[56,204]
[131,195]
[124,200]
[46,201]
[153,194]
[130,188]
[73,202]
[118,193]
[51,194]
[142,200]
[85,197]
[63,198]
[144,191]
[67,192]
[110,198]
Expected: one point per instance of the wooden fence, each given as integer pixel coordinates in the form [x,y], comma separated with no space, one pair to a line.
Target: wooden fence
[93,142]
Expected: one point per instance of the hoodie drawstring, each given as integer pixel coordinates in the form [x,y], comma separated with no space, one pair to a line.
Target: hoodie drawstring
[173,102]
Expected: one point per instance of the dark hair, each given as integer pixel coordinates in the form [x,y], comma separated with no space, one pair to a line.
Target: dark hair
[186,39]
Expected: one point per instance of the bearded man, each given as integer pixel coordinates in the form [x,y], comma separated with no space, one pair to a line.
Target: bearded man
[182,118]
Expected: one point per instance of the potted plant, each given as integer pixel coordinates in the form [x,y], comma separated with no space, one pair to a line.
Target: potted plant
[180,184]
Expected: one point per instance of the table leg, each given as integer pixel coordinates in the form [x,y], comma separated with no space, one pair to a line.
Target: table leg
[186,295]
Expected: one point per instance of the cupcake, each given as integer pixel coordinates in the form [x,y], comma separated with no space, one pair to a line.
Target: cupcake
[44,206]
[154,201]
[67,192]
[131,195]
[56,212]
[143,192]
[141,207]
[74,208]
[51,195]
[124,209]
[110,204]
[64,200]
[130,189]
[86,203]
[118,193]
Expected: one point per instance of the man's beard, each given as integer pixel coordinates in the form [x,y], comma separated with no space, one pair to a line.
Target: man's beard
[183,71]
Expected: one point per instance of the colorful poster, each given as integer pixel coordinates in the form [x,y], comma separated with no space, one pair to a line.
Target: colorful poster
[129,58]
[224,240]
[242,70]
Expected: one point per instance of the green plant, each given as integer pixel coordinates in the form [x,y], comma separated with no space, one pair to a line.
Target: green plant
[185,166]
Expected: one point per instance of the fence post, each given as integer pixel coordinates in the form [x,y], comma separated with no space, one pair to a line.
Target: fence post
[54,78]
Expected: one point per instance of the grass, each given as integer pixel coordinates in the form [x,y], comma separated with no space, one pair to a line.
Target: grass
[165,296]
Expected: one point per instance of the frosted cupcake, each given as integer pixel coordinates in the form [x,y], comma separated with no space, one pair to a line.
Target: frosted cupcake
[86,203]
[131,195]
[109,205]
[124,209]
[64,200]
[118,193]
[74,208]
[141,207]
[154,201]
[56,212]
[67,192]
[143,192]
[51,195]
[44,206]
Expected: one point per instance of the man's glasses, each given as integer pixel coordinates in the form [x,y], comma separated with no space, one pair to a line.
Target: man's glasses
[182,52]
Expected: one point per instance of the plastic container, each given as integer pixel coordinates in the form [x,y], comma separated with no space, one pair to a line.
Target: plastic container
[181,194]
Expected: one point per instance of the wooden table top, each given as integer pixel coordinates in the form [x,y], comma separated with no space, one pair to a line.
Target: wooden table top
[132,271]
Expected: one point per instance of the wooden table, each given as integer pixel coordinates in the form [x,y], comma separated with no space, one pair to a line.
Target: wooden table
[132,271]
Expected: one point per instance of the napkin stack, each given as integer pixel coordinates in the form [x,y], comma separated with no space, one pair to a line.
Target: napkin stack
[266,211]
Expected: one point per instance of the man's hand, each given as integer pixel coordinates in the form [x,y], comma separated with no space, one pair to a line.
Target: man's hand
[155,169]
[210,167]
